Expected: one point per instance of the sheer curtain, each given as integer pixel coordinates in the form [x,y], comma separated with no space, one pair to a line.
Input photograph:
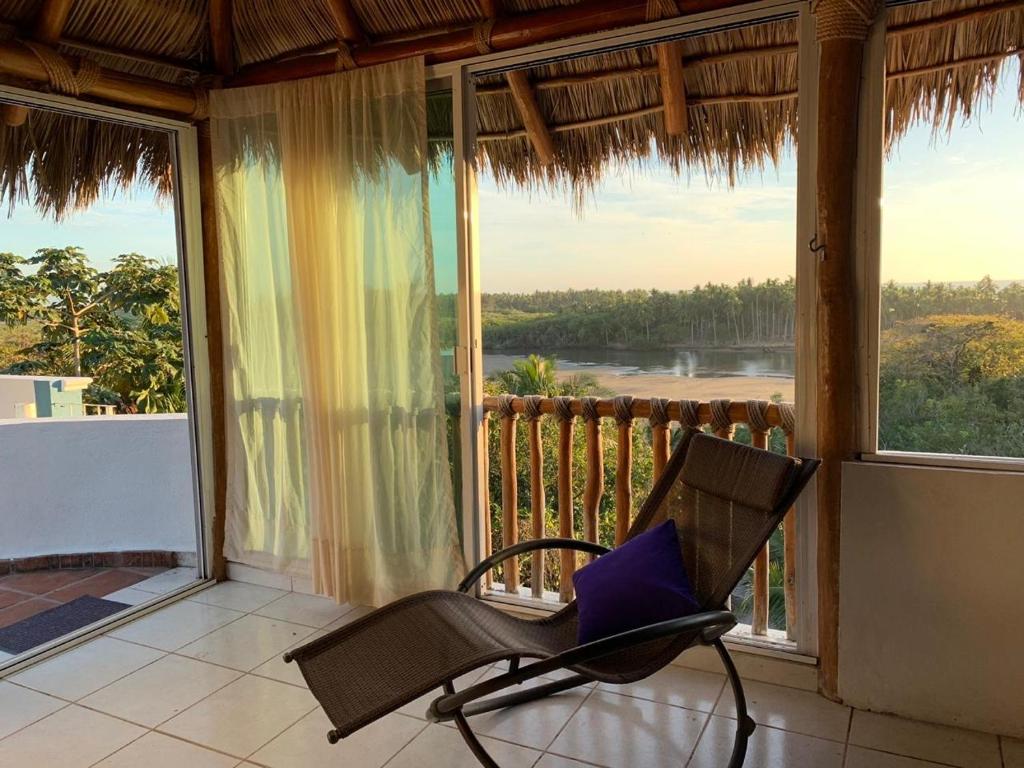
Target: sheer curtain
[339,454]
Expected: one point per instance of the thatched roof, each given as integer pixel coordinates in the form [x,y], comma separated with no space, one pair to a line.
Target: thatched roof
[742,111]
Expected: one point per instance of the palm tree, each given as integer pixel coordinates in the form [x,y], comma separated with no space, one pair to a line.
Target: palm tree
[533,376]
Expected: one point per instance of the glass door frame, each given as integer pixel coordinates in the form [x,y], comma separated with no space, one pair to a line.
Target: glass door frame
[188,230]
[469,355]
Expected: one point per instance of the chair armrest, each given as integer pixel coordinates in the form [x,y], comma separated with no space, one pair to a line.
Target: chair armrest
[527,546]
[711,625]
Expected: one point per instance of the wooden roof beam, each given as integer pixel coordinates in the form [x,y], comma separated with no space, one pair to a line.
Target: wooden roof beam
[53,15]
[350,28]
[673,86]
[536,128]
[222,37]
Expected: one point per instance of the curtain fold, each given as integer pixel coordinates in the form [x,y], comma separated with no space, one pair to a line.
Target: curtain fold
[338,459]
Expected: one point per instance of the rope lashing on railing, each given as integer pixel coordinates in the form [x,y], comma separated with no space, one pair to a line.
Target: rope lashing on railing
[757,415]
[63,79]
[589,407]
[659,412]
[505,408]
[623,407]
[689,413]
[844,19]
[531,407]
[563,408]
[720,416]
[343,58]
[482,32]
[787,415]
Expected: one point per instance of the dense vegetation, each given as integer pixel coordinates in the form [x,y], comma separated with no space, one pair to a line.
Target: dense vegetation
[122,327]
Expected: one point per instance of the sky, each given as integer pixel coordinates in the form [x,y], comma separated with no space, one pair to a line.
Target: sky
[951,212]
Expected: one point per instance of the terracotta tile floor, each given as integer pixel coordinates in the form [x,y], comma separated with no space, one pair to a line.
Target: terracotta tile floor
[200,683]
[26,594]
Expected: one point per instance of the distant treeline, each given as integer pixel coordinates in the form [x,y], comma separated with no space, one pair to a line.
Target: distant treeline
[713,315]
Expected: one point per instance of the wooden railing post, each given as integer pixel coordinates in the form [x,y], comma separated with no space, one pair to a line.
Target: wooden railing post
[660,434]
[509,492]
[787,415]
[623,405]
[757,421]
[566,422]
[593,490]
[485,439]
[531,410]
[721,421]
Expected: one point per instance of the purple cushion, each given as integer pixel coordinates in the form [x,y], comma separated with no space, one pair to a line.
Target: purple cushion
[640,583]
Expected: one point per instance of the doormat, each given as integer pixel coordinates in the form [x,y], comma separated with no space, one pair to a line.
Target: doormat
[56,622]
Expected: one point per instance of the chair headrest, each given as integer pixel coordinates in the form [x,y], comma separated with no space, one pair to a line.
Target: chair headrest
[749,476]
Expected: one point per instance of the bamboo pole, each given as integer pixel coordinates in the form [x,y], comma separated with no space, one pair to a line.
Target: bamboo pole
[50,21]
[533,121]
[839,77]
[509,500]
[957,17]
[346,21]
[673,86]
[593,488]
[222,47]
[623,479]
[536,504]
[215,346]
[789,556]
[565,512]
[759,622]
[661,435]
[118,87]
[508,33]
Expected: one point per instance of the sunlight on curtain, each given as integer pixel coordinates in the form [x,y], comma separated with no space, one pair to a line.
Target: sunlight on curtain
[329,287]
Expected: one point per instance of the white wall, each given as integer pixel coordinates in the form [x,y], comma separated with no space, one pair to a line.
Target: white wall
[932,594]
[95,484]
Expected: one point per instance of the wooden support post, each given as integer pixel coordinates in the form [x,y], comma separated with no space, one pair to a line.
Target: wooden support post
[485,440]
[623,467]
[661,434]
[509,498]
[536,128]
[759,622]
[222,35]
[593,488]
[673,86]
[536,501]
[215,345]
[841,35]
[349,27]
[53,15]
[789,556]
[566,422]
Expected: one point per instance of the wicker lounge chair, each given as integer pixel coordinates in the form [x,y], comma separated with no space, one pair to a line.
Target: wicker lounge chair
[726,500]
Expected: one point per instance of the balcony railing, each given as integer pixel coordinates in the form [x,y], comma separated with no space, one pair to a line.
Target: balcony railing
[759,418]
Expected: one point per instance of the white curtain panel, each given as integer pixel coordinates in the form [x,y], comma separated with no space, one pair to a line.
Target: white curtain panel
[337,453]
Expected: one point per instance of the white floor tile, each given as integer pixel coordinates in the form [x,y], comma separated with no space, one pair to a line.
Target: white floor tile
[176,625]
[767,748]
[242,717]
[168,581]
[154,750]
[790,709]
[555,761]
[683,687]
[87,668]
[72,737]
[160,691]
[532,725]
[305,743]
[1013,753]
[131,596]
[4,656]
[925,741]
[276,669]
[861,757]
[238,596]
[356,613]
[418,707]
[247,643]
[618,730]
[440,746]
[20,707]
[311,610]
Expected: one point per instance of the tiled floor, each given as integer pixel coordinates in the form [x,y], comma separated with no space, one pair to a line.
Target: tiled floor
[201,684]
[25,594]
